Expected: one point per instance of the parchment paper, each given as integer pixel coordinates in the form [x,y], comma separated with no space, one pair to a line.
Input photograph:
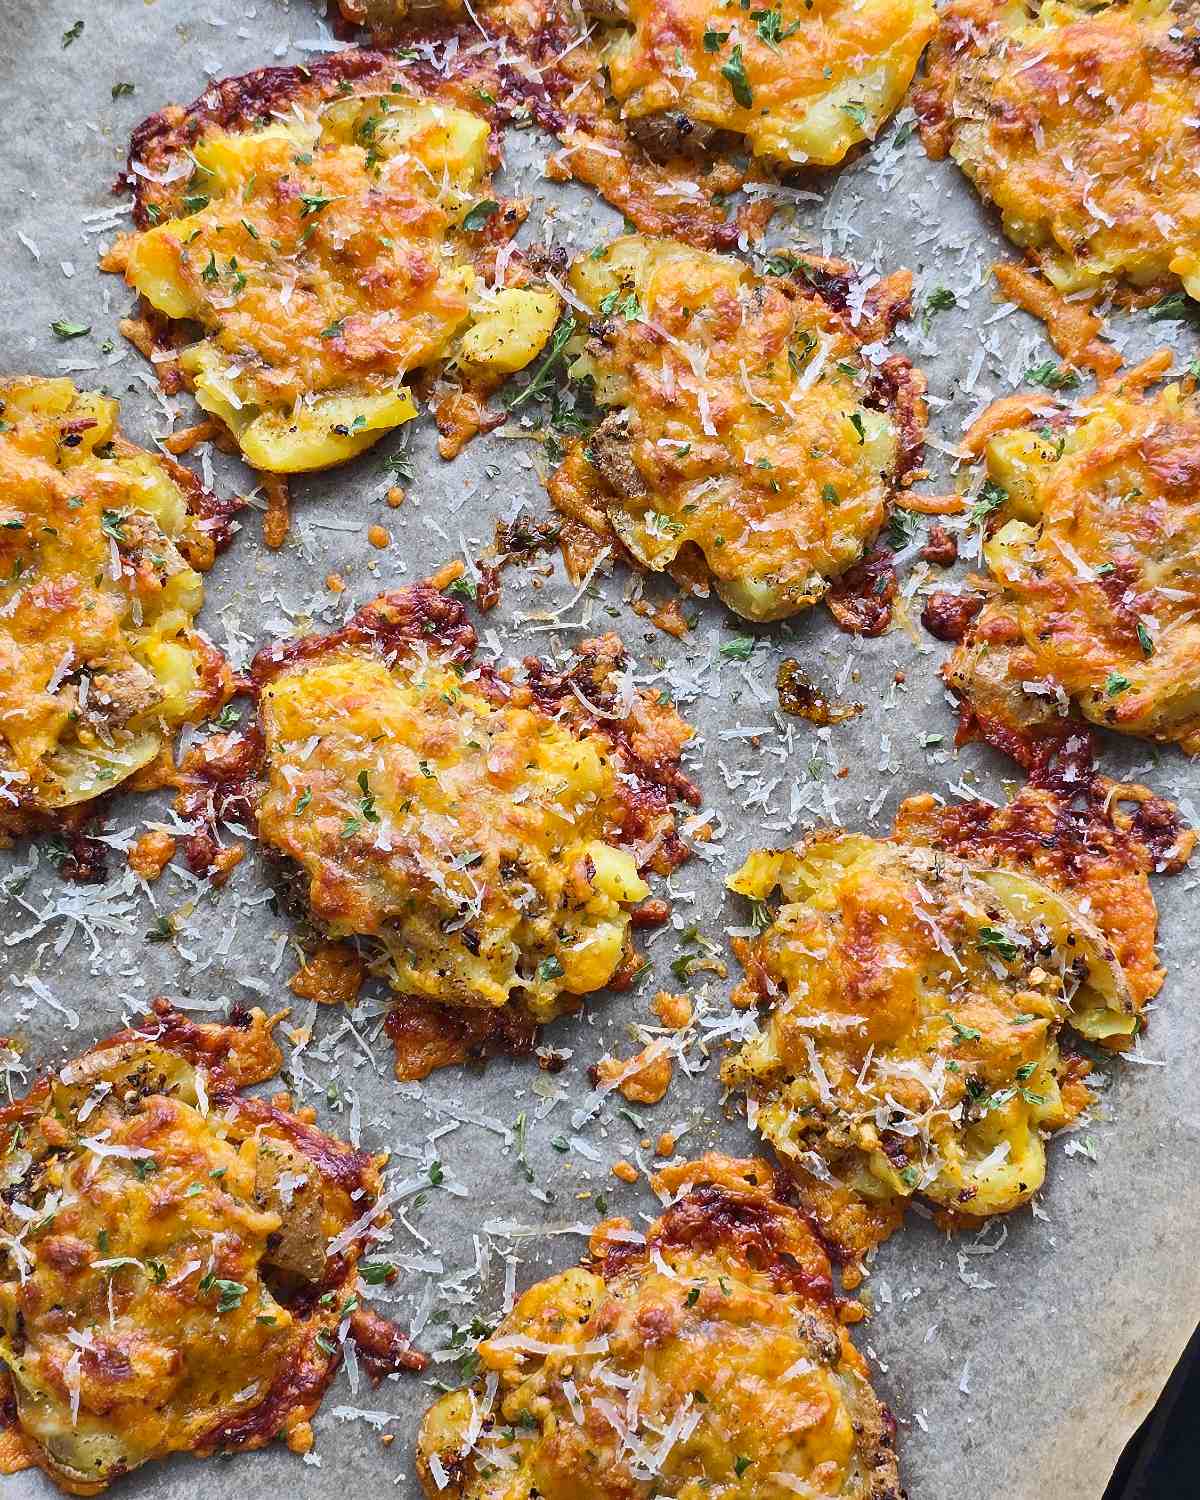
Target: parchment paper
[1013,1374]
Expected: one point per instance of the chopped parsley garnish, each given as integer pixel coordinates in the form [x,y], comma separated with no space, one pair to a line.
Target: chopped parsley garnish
[714,40]
[856,422]
[1174,307]
[1117,683]
[376,1272]
[963,1033]
[1053,376]
[770,27]
[734,71]
[738,649]
[111,522]
[995,941]
[302,800]
[462,588]
[550,968]
[333,330]
[541,381]
[741,1464]
[858,113]
[830,495]
[902,527]
[991,497]
[72,33]
[66,330]
[479,215]
[1145,639]
[624,303]
[120,90]
[436,1175]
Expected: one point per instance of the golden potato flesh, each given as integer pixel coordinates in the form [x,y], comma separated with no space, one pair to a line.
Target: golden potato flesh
[1077,121]
[326,255]
[915,1002]
[802,83]
[745,437]
[1095,549]
[100,659]
[706,1362]
[484,833]
[154,1298]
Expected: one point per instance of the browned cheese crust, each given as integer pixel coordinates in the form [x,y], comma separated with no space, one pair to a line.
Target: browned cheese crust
[486,832]
[705,1359]
[175,1259]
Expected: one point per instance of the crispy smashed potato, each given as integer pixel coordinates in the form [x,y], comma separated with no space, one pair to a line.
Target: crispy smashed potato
[1093,548]
[1077,121]
[100,547]
[330,235]
[705,1358]
[748,447]
[489,834]
[166,1277]
[920,991]
[802,84]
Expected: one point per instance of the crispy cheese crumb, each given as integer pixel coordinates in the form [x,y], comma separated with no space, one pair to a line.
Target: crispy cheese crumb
[331,975]
[379,536]
[335,583]
[151,854]
[645,1084]
[666,1144]
[395,497]
[300,1437]
[673,1010]
[625,1170]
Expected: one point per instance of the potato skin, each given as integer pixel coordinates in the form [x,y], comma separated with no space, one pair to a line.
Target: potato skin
[725,1324]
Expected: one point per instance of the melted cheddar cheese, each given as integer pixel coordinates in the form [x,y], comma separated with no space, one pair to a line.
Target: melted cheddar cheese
[1076,120]
[911,1041]
[165,1281]
[1095,549]
[477,830]
[325,256]
[705,1363]
[747,446]
[802,83]
[100,659]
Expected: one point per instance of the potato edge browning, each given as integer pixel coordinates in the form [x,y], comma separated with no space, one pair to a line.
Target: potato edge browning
[720,386]
[374,194]
[911,982]
[102,551]
[1064,119]
[573,772]
[744,1314]
[1090,546]
[128,1203]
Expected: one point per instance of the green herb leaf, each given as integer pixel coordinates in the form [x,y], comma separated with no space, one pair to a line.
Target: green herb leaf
[120,90]
[714,40]
[992,939]
[735,72]
[738,649]
[479,215]
[1145,639]
[1117,683]
[313,203]
[550,968]
[963,1033]
[1053,376]
[67,330]
[376,1272]
[72,33]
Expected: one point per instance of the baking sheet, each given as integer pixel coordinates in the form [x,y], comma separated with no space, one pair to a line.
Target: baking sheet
[1015,1369]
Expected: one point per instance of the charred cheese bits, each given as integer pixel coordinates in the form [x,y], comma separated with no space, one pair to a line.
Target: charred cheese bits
[702,1359]
[101,544]
[1095,551]
[748,447]
[803,83]
[325,229]
[488,833]
[1077,121]
[174,1259]
[917,990]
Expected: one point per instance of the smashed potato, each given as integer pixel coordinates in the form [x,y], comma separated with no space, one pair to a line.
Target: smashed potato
[747,446]
[919,994]
[329,231]
[174,1259]
[1077,121]
[1093,548]
[704,1358]
[101,549]
[489,835]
